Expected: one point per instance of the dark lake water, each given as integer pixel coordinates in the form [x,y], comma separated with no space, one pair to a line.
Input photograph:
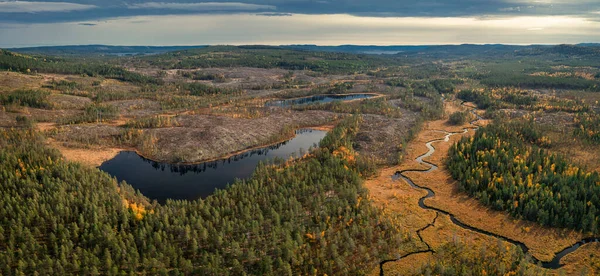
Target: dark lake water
[162,181]
[318,99]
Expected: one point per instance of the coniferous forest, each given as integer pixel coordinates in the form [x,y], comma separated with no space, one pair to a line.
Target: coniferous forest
[338,130]
[505,167]
[310,217]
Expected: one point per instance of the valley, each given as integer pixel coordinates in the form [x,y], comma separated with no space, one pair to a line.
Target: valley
[263,160]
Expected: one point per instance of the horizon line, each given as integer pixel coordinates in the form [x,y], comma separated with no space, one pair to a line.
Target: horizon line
[308,44]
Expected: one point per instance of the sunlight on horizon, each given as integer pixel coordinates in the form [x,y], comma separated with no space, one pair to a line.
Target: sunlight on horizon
[303,29]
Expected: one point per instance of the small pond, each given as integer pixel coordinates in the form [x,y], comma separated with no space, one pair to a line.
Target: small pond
[162,181]
[318,99]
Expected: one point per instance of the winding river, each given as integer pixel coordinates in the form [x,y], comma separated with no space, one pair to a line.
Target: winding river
[162,181]
[553,264]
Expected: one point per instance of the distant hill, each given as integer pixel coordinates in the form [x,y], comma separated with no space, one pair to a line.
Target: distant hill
[25,63]
[100,50]
[464,49]
[475,51]
[589,44]
[359,49]
[263,56]
[421,51]
[581,50]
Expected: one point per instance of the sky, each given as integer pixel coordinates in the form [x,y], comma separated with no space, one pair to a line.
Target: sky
[279,22]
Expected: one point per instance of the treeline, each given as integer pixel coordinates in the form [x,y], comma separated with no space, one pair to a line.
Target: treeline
[574,51]
[28,98]
[423,87]
[322,89]
[418,99]
[498,98]
[63,85]
[446,85]
[458,118]
[367,106]
[308,217]
[94,112]
[199,75]
[156,121]
[536,82]
[266,57]
[420,96]
[503,166]
[30,64]
[200,89]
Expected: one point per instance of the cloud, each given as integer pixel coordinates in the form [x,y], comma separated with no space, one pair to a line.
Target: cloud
[305,29]
[275,14]
[34,7]
[203,7]
[364,8]
[516,9]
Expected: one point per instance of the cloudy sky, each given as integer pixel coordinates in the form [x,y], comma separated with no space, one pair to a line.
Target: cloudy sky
[323,22]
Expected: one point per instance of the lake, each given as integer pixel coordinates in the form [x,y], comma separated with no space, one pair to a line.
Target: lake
[162,181]
[318,99]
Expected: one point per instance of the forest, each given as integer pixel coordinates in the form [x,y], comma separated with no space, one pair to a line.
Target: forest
[265,57]
[336,209]
[29,98]
[536,82]
[32,64]
[506,167]
[309,217]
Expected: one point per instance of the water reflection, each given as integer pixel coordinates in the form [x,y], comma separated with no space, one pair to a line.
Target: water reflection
[162,181]
[318,99]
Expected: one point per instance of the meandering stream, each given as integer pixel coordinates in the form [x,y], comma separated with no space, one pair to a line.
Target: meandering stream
[553,264]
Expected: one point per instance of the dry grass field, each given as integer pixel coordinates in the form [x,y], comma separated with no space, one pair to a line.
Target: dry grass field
[399,198]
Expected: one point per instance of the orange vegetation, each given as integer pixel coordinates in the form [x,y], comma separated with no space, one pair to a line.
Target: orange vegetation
[138,209]
[89,156]
[345,153]
[407,266]
[582,75]
[397,197]
[14,80]
[543,242]
[583,261]
[583,154]
[45,126]
[445,231]
[323,128]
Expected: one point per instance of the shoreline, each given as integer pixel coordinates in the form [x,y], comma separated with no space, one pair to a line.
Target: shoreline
[232,154]
[375,96]
[103,154]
